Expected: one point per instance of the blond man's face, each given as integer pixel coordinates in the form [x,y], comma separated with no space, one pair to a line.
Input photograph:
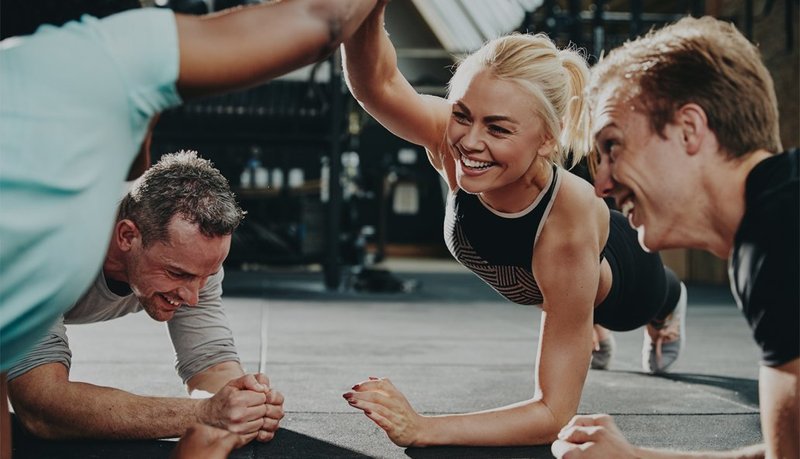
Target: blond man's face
[642,170]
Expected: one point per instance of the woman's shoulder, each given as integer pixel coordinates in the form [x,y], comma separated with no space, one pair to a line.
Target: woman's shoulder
[577,211]
[578,220]
[575,194]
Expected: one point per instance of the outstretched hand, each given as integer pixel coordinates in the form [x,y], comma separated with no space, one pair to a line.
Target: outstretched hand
[388,408]
[590,437]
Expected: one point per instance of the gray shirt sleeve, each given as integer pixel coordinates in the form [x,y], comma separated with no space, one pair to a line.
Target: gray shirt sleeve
[52,348]
[201,335]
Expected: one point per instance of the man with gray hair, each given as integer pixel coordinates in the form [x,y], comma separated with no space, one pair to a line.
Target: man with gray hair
[172,233]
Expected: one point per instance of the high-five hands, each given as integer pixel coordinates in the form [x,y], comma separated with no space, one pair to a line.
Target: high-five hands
[388,408]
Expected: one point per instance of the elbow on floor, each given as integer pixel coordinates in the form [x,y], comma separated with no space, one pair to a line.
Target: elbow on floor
[39,427]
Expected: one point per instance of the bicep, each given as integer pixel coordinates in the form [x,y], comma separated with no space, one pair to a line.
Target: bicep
[779,394]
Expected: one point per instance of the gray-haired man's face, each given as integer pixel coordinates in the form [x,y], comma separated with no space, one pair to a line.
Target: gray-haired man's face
[166,275]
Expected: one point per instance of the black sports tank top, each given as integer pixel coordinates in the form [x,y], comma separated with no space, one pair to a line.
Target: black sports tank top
[498,246]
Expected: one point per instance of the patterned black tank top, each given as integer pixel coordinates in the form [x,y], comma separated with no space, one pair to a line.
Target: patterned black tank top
[498,246]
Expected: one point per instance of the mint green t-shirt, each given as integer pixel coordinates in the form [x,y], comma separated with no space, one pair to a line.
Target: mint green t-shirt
[75,102]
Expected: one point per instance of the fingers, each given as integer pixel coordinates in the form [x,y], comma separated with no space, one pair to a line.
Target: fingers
[242,420]
[234,393]
[274,412]
[589,420]
[265,436]
[262,379]
[374,383]
[269,427]
[274,398]
[585,428]
[263,426]
[377,412]
[580,434]
[249,382]
[270,424]
[372,396]
[376,406]
[248,408]
[565,450]
[266,410]
[244,439]
[388,408]
[247,427]
[378,419]
[375,393]
[592,436]
[358,403]
[205,441]
[249,398]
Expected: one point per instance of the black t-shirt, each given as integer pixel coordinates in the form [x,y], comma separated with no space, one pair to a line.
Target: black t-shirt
[765,264]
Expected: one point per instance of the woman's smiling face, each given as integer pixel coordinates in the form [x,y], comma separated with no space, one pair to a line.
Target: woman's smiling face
[494,133]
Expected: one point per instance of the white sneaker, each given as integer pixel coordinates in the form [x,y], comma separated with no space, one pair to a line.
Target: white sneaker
[663,345]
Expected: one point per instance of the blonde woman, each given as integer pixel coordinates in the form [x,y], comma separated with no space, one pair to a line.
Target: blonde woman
[536,233]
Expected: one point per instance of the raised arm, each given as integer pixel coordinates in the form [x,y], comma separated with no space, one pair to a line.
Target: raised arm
[247,46]
[371,72]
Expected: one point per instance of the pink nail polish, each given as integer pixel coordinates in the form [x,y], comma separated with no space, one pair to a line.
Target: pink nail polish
[356,387]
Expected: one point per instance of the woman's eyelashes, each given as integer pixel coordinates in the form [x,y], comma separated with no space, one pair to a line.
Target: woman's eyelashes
[460,117]
[494,129]
[498,130]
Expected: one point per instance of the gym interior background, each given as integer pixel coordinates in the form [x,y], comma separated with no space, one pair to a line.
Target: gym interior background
[328,189]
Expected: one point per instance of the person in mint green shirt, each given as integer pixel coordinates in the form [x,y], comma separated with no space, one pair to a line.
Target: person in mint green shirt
[77,101]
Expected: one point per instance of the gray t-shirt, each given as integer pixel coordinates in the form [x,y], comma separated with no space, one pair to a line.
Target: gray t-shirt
[200,335]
